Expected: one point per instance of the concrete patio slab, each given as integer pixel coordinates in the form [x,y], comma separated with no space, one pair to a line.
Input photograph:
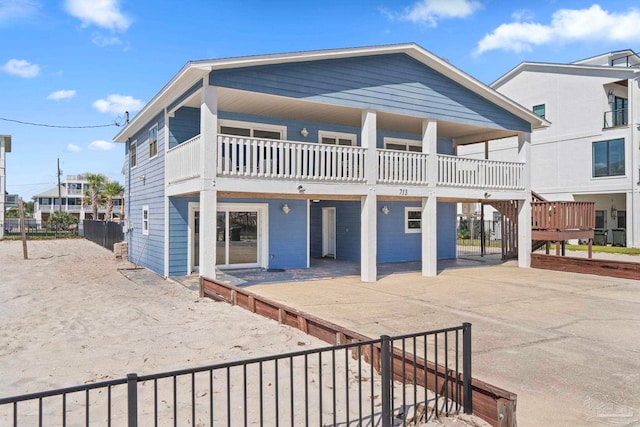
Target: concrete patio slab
[566,343]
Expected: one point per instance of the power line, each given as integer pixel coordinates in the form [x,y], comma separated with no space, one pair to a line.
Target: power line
[115,123]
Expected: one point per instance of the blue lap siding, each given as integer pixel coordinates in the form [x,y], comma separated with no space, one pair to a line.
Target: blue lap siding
[393,83]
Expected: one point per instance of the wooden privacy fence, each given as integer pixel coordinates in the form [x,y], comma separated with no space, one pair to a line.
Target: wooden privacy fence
[104,233]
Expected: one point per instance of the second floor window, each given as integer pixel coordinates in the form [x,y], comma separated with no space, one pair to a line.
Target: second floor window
[337,138]
[608,158]
[153,141]
[132,154]
[539,110]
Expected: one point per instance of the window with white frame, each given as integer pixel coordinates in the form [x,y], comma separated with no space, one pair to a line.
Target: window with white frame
[133,157]
[153,141]
[337,138]
[252,130]
[412,220]
[402,144]
[145,220]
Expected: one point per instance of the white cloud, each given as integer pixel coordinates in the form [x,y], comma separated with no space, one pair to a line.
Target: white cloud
[102,13]
[431,11]
[567,25]
[21,68]
[73,148]
[11,10]
[117,104]
[61,94]
[101,145]
[102,41]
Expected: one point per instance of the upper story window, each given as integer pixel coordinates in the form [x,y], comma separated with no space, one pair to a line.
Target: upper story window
[74,188]
[153,141]
[620,108]
[252,130]
[608,158]
[403,144]
[133,157]
[337,138]
[539,110]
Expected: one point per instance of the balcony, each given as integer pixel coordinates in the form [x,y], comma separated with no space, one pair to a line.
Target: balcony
[615,118]
[255,158]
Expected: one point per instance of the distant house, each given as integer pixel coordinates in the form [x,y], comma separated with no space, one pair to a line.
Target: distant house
[69,199]
[349,154]
[591,150]
[5,147]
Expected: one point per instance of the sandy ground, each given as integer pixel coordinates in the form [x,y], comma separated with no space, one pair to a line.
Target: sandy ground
[69,317]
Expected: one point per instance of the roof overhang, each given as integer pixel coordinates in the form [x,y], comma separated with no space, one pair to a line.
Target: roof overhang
[196,70]
[596,70]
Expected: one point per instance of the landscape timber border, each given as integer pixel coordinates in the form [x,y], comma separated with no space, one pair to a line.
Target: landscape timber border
[493,404]
[610,268]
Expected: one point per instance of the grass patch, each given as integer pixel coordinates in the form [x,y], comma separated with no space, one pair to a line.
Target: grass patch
[603,249]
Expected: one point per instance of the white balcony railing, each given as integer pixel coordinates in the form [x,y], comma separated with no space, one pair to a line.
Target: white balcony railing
[274,159]
[402,167]
[183,161]
[265,158]
[473,173]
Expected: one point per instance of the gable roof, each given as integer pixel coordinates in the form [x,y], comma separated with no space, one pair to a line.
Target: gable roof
[197,70]
[574,67]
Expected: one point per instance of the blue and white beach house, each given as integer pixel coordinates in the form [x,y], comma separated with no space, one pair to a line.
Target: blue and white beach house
[271,161]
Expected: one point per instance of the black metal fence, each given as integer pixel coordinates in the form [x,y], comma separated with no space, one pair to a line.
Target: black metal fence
[104,233]
[35,228]
[382,382]
[477,239]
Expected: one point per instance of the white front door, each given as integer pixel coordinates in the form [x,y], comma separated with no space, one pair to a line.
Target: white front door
[329,232]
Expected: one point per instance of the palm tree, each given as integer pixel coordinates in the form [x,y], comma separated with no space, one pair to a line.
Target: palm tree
[93,196]
[111,190]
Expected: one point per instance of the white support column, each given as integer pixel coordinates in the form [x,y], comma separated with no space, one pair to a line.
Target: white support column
[368,203]
[430,236]
[430,204]
[633,219]
[208,194]
[524,206]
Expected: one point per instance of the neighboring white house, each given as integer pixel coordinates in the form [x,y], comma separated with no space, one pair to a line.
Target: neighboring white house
[349,154]
[591,150]
[69,199]
[5,147]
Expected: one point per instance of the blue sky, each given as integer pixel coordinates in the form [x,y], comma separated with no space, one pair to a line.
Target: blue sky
[84,62]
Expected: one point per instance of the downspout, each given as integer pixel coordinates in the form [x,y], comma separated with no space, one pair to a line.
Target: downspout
[128,201]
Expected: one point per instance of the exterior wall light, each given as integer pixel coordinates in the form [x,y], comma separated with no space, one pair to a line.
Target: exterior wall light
[610,96]
[385,210]
[286,209]
[614,212]
[304,132]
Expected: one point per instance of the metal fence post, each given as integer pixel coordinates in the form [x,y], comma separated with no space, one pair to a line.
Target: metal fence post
[386,380]
[466,367]
[132,399]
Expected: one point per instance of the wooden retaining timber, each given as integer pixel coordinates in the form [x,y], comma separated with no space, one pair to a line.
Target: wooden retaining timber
[621,269]
[492,404]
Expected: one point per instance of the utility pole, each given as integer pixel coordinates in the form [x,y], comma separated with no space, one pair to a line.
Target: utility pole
[59,190]
[23,231]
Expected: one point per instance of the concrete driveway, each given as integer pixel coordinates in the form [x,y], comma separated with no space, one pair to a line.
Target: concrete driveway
[567,344]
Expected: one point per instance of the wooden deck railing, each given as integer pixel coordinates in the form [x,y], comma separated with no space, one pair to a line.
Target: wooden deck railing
[563,215]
